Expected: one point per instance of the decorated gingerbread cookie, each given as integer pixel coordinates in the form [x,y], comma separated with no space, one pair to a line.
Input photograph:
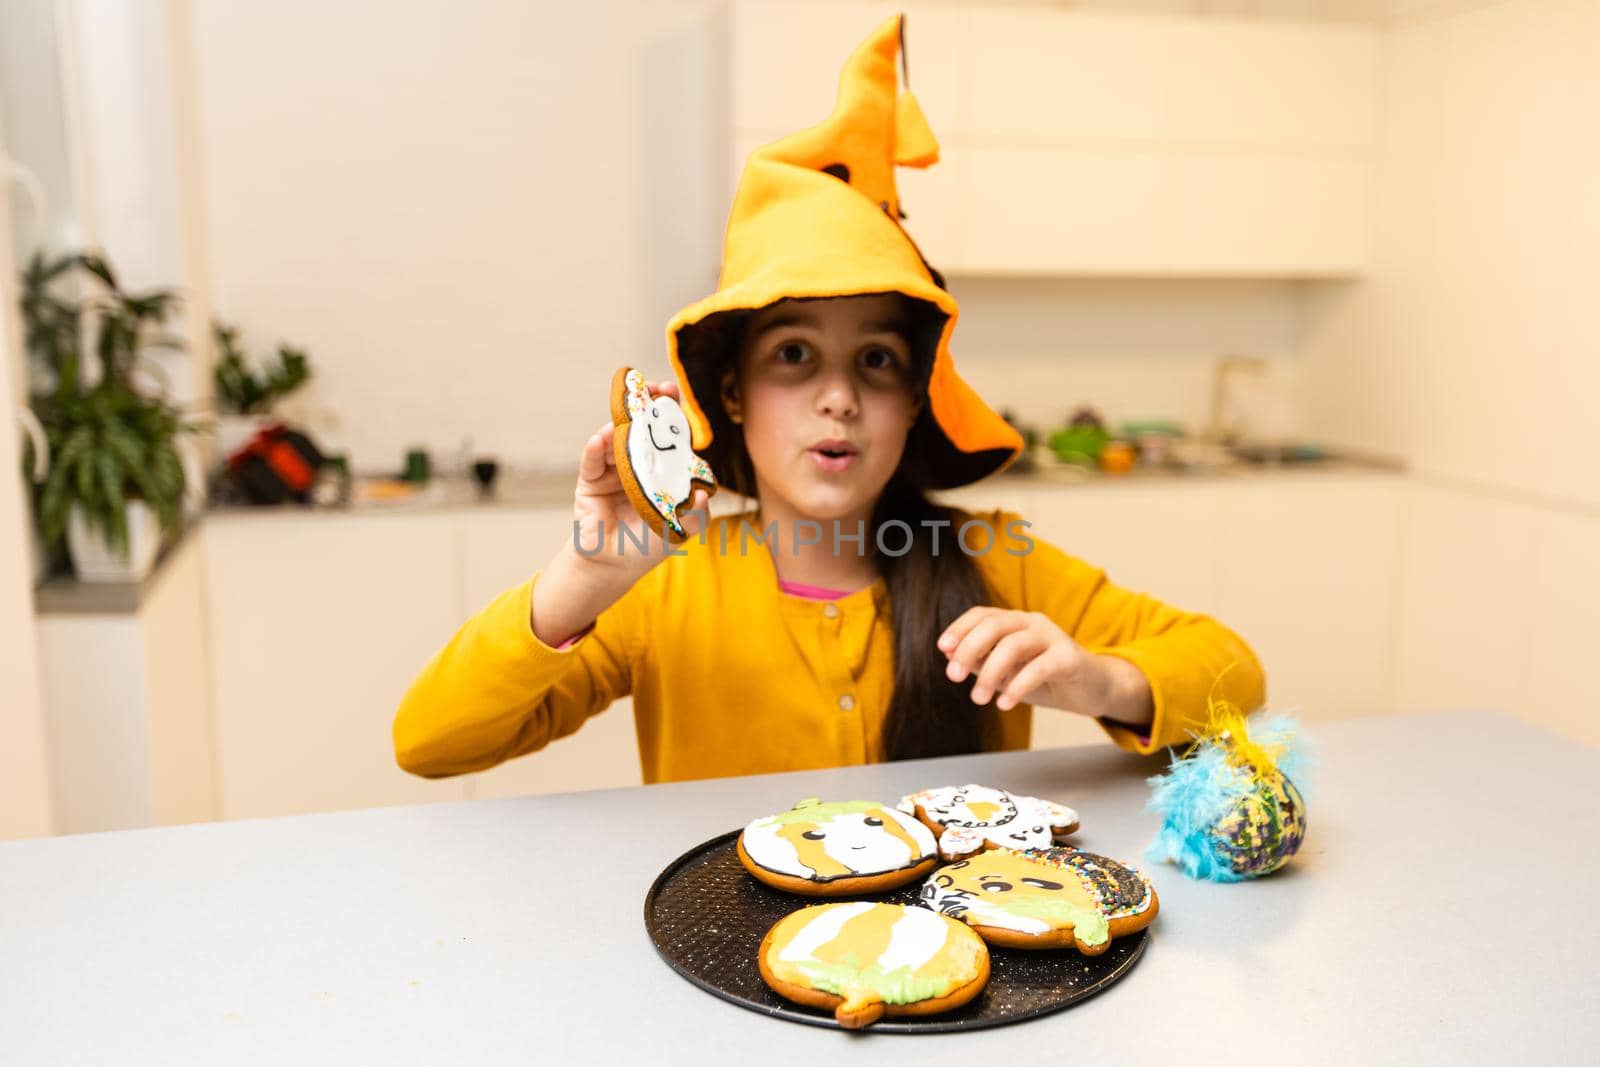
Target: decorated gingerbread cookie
[837,848]
[971,818]
[864,961]
[1044,898]
[654,459]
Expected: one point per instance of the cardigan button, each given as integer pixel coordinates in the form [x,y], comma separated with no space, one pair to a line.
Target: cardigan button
[830,610]
[847,702]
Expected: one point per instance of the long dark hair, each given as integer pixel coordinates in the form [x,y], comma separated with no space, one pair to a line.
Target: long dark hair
[928,714]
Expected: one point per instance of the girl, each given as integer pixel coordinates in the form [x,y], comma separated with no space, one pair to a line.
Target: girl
[847,619]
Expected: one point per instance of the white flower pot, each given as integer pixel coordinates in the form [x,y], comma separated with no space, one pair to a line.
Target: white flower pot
[94,560]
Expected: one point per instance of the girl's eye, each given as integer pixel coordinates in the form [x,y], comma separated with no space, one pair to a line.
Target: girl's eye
[813,835]
[878,359]
[790,352]
[874,822]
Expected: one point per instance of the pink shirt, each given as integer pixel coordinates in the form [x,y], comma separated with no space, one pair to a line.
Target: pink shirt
[811,592]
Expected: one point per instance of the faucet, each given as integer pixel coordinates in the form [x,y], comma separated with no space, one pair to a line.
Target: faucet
[1220,428]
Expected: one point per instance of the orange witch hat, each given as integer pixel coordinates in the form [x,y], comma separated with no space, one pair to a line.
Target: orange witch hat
[817,214]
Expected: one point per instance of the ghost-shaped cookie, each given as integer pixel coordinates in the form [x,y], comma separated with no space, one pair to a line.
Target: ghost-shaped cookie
[971,818]
[651,444]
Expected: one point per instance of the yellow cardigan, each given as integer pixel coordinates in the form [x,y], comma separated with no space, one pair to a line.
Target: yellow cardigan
[731,676]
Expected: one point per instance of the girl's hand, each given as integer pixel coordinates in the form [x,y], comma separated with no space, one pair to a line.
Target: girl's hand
[1024,657]
[601,507]
[578,585]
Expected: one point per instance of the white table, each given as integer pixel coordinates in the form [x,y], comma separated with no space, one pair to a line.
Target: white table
[1440,912]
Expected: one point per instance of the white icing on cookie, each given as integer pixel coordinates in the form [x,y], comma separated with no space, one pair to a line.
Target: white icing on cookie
[823,927]
[974,816]
[915,940]
[659,450]
[876,839]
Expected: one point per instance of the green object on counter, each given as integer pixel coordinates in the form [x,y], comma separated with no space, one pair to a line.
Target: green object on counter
[1079,444]
[417,467]
[1139,427]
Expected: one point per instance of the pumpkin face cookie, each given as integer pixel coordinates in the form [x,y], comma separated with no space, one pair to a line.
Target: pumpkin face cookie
[652,449]
[1044,898]
[865,960]
[839,848]
[971,818]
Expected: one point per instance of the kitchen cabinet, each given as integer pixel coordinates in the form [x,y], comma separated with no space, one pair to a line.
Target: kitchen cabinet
[1499,604]
[1465,647]
[127,706]
[317,625]
[1082,143]
[318,622]
[1304,567]
[499,549]
[1565,609]
[1307,574]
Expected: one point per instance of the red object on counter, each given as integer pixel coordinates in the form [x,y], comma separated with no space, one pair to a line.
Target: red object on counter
[277,464]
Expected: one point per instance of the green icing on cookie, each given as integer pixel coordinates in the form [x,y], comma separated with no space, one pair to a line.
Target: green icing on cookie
[1088,925]
[899,986]
[813,810]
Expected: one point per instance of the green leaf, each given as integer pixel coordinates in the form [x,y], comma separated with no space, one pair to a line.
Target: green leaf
[99,268]
[114,511]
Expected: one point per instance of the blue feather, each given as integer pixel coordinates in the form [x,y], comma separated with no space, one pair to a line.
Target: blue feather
[1203,786]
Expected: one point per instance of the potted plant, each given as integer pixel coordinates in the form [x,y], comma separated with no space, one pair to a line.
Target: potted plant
[244,395]
[115,479]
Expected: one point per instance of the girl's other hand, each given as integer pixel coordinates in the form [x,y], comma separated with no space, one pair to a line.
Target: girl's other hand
[1024,657]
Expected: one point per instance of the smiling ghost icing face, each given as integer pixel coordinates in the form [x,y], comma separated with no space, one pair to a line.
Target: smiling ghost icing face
[836,848]
[654,460]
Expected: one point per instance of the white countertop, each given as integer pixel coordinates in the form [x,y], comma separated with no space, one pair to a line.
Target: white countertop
[1439,913]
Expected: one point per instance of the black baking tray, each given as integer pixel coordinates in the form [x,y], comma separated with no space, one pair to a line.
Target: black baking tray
[707,917]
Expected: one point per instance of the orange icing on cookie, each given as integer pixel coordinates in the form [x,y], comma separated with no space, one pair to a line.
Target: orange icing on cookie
[862,939]
[865,952]
[1002,866]
[898,832]
[811,853]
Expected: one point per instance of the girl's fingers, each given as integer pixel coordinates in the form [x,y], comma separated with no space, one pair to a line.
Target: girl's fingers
[667,388]
[1010,653]
[1033,675]
[964,623]
[592,461]
[975,646]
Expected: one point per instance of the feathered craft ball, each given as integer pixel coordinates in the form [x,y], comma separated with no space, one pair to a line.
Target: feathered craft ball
[1230,807]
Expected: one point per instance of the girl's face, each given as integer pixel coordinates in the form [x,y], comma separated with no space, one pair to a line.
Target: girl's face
[824,390]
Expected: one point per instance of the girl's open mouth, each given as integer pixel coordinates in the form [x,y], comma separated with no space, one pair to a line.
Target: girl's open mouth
[833,455]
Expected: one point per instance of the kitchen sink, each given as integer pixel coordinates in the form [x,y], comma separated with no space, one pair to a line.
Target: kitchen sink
[1278,454]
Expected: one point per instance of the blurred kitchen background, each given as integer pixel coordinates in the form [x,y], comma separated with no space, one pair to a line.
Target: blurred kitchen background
[1289,293]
